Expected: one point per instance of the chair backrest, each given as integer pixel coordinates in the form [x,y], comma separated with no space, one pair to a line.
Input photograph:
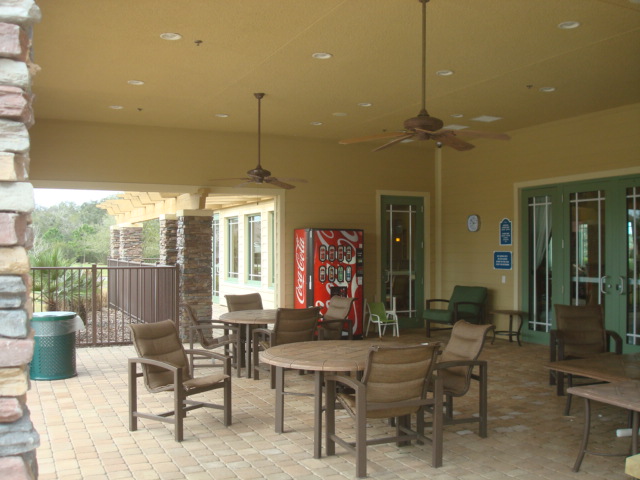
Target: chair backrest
[338,308]
[192,321]
[295,325]
[250,301]
[159,341]
[378,309]
[466,343]
[468,294]
[581,329]
[397,374]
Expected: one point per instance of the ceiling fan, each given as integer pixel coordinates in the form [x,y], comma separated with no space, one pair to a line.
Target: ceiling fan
[424,126]
[259,174]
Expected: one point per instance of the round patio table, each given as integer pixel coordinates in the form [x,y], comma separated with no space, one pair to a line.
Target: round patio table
[249,319]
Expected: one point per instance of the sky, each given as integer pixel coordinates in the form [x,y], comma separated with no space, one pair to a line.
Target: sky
[47,197]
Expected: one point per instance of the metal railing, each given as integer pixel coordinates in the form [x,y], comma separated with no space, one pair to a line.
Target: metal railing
[108,298]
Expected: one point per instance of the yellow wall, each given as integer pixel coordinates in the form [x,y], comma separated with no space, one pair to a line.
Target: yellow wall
[343,179]
[486,181]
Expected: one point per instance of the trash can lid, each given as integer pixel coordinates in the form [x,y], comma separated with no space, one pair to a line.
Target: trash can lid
[52,316]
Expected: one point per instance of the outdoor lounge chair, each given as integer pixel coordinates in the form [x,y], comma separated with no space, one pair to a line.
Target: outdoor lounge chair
[466,303]
[579,333]
[292,325]
[335,320]
[393,386]
[455,368]
[203,330]
[165,368]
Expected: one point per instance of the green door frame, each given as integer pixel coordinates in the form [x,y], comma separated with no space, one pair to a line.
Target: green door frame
[415,321]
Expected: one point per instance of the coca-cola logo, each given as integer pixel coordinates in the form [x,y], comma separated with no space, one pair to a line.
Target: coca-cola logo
[300,273]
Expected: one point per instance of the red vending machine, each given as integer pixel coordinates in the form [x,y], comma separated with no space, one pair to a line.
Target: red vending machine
[329,262]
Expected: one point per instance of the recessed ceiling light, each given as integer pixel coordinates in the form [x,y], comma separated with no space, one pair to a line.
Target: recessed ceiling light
[135,82]
[321,55]
[316,124]
[634,1]
[170,36]
[568,25]
[222,115]
[406,140]
[444,73]
[453,126]
[547,89]
[116,107]
[365,104]
[339,114]
[457,115]
[486,118]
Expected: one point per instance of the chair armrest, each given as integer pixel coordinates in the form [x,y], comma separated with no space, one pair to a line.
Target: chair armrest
[344,380]
[477,304]
[155,363]
[206,353]
[464,363]
[432,300]
[264,333]
[611,335]
[341,322]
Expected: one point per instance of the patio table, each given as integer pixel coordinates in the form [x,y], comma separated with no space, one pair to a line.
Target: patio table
[249,319]
[606,367]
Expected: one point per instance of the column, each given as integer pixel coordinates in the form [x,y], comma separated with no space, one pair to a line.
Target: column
[168,239]
[131,243]
[114,242]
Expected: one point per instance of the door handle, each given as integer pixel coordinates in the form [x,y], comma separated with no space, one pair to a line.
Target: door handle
[620,286]
[604,286]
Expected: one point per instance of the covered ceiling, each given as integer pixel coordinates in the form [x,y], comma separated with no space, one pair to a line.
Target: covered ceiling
[501,52]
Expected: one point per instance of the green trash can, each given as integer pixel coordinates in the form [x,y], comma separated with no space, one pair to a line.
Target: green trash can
[54,352]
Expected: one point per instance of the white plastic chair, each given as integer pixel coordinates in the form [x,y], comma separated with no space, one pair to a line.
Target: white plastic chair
[377,314]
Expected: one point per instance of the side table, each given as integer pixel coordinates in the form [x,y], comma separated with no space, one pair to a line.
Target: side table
[510,332]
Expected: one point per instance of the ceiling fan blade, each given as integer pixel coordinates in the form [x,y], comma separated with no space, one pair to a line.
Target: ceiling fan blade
[448,138]
[278,183]
[221,179]
[477,133]
[371,137]
[289,179]
[393,142]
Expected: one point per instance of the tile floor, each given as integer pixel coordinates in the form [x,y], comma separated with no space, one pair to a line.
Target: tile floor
[84,432]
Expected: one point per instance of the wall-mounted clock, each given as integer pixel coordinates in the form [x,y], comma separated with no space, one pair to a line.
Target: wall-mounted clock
[473,223]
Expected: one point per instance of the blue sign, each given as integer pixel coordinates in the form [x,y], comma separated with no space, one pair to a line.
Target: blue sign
[502,260]
[505,232]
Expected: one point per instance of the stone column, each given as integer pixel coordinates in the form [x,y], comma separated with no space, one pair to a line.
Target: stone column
[194,258]
[168,239]
[131,243]
[18,438]
[114,242]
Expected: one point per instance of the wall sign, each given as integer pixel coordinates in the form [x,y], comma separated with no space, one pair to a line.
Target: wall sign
[502,260]
[505,232]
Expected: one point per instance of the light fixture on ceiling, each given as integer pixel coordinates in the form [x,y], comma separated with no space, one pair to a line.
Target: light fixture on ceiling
[547,89]
[222,115]
[116,107]
[444,73]
[570,25]
[339,114]
[170,36]
[321,55]
[486,118]
[135,82]
[365,104]
[457,115]
[316,124]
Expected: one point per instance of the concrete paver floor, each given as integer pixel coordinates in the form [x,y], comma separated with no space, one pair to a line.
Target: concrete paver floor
[84,430]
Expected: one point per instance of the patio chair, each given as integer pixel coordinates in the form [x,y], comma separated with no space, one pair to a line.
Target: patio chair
[455,367]
[203,330]
[292,325]
[250,301]
[466,303]
[393,386]
[165,368]
[376,314]
[334,321]
[579,333]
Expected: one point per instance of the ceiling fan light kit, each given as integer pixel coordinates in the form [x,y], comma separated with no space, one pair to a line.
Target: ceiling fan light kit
[424,126]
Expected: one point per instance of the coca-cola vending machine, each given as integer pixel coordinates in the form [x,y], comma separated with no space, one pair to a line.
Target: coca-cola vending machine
[329,262]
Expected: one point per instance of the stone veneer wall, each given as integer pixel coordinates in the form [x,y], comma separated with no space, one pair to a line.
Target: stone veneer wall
[114,242]
[18,438]
[168,240]
[194,258]
[131,244]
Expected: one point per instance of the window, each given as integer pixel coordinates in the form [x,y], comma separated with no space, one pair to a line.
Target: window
[232,250]
[254,248]
[272,248]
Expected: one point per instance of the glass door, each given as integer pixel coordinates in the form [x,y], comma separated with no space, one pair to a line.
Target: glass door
[216,257]
[402,266]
